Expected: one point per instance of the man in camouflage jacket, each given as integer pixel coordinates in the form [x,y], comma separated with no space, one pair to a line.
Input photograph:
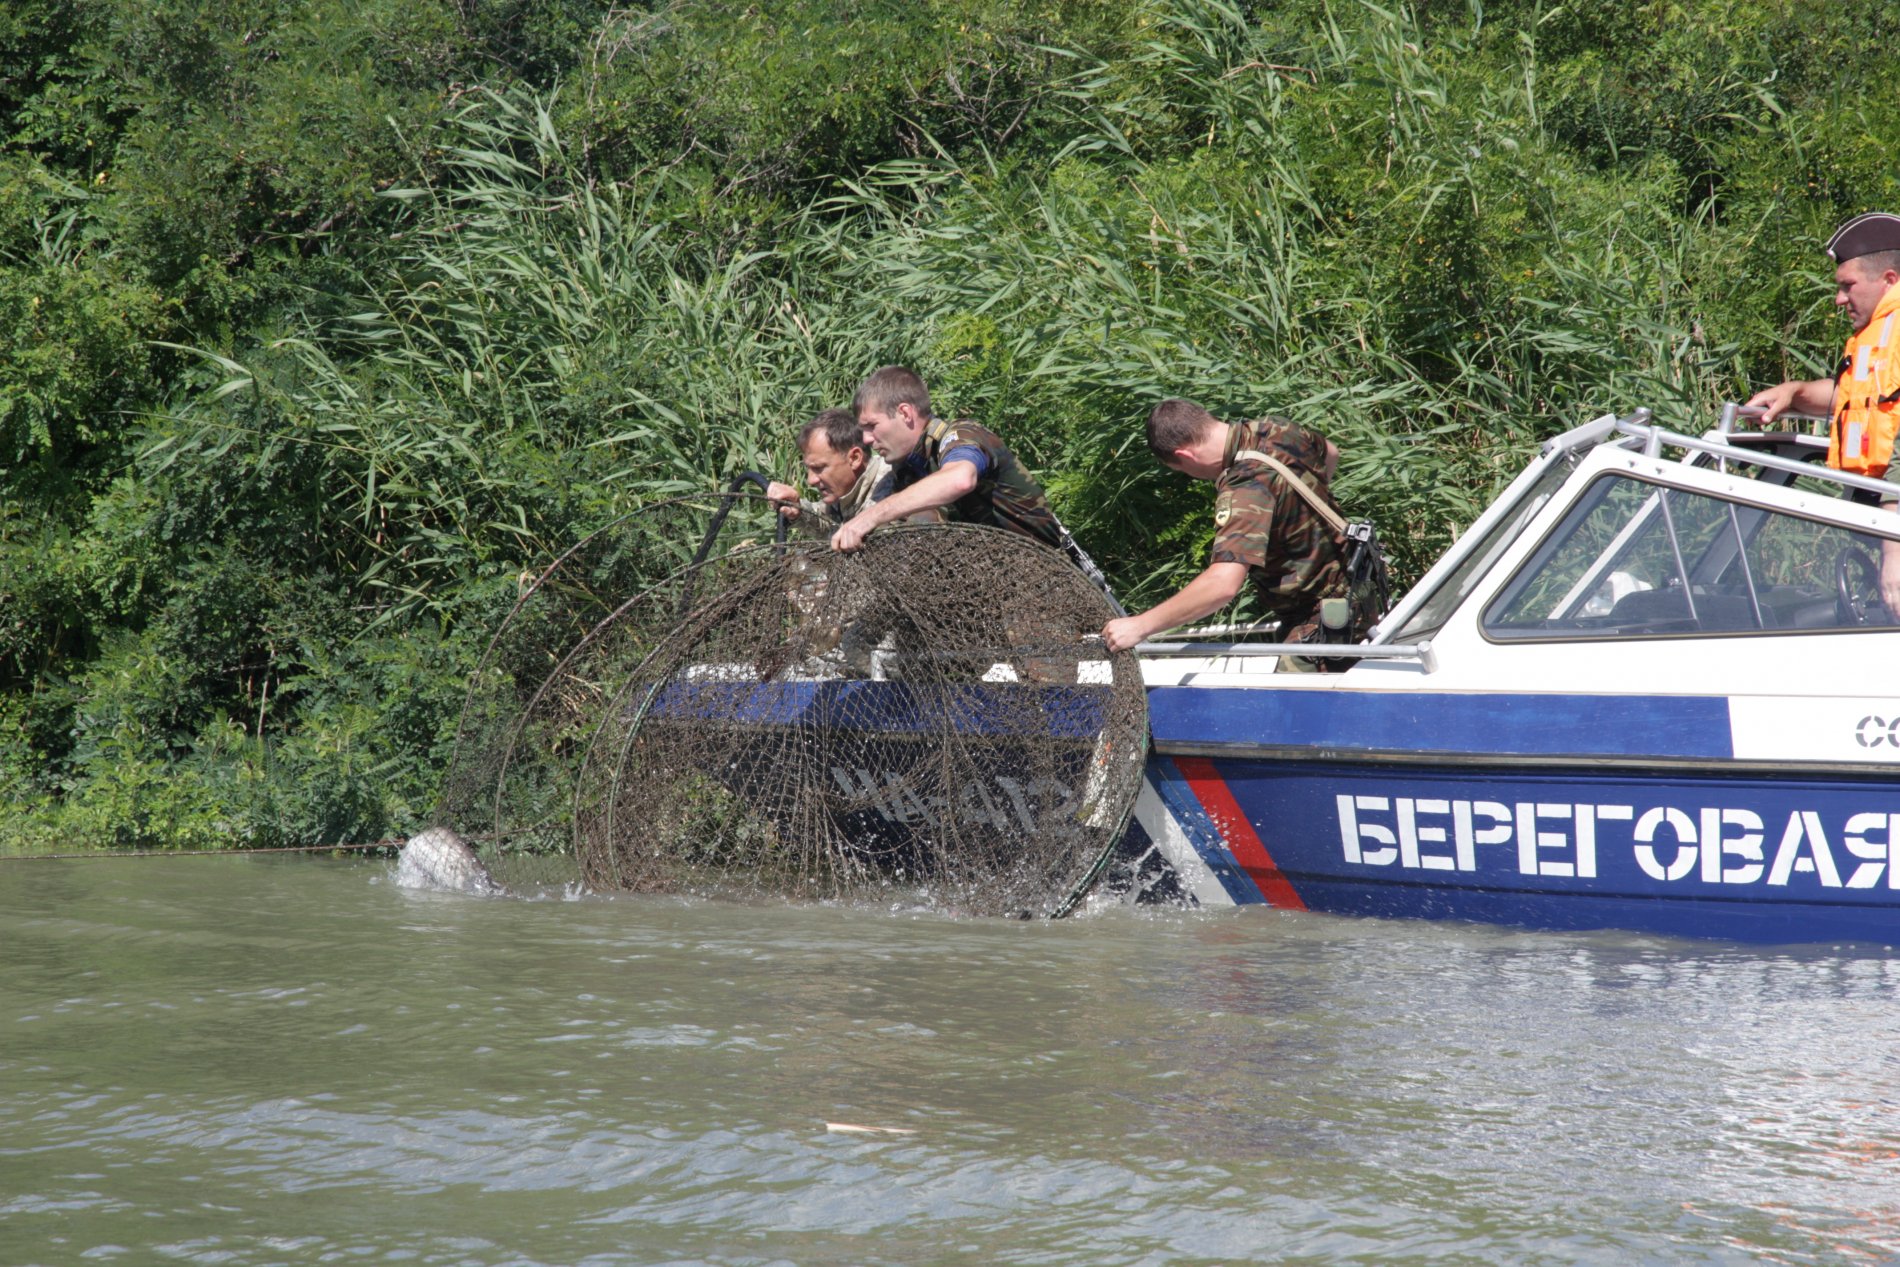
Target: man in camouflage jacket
[956,466]
[1264,532]
[838,466]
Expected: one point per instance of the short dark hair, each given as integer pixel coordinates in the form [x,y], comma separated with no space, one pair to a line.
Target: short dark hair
[1876,262]
[1176,424]
[840,428]
[890,387]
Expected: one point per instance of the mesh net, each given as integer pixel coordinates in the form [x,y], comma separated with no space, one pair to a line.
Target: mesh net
[696,700]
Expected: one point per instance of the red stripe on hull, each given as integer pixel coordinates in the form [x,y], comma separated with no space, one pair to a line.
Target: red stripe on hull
[1241,839]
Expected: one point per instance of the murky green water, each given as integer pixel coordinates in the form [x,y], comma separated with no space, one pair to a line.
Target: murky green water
[246,1061]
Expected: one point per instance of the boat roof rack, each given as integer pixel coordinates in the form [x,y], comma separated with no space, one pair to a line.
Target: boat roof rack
[1817,424]
[1634,431]
[1724,445]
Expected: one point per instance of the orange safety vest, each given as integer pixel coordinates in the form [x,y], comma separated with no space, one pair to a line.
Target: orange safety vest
[1867,394]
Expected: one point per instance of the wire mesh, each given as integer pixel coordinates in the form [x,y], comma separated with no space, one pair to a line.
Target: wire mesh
[673,709]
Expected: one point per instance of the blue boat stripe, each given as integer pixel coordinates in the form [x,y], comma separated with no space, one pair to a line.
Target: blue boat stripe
[1450,722]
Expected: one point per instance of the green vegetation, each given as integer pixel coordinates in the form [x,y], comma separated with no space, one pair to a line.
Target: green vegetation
[321,322]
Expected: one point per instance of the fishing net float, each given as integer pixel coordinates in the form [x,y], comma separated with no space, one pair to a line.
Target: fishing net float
[704,698]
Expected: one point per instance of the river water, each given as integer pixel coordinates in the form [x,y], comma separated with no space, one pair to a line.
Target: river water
[250,1061]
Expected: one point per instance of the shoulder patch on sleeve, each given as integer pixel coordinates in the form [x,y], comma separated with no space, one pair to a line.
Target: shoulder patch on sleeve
[1223,509]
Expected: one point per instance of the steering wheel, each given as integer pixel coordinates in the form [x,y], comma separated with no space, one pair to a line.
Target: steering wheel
[1857,598]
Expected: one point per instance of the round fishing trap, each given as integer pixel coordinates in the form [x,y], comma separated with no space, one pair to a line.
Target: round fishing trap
[700,699]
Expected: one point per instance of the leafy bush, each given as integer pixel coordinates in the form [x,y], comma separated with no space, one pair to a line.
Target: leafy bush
[464,282]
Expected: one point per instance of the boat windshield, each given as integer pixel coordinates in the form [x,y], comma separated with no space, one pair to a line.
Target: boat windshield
[1429,615]
[1638,559]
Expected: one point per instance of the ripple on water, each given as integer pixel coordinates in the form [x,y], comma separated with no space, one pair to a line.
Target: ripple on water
[292,1062]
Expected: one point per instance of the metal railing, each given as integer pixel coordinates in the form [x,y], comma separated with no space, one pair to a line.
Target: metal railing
[1731,412]
[1419,651]
[1656,438]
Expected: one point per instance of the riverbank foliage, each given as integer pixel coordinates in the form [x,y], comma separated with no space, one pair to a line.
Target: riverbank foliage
[321,323]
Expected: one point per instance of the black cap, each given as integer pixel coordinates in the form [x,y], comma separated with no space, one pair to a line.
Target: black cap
[1863,235]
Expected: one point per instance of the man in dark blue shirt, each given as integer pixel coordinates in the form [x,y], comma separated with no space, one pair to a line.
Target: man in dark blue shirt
[958,467]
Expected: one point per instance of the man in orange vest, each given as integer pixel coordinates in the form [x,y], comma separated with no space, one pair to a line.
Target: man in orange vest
[1863,397]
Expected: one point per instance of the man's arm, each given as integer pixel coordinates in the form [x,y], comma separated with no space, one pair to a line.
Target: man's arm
[786,496]
[1212,590]
[1799,396]
[791,503]
[956,480]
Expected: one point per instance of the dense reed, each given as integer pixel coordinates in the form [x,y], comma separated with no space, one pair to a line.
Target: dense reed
[1437,240]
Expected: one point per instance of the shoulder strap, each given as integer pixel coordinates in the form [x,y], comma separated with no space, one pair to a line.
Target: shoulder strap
[930,444]
[1313,499]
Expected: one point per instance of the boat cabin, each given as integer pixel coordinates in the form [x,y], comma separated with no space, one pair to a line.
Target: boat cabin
[1629,558]
[1647,689]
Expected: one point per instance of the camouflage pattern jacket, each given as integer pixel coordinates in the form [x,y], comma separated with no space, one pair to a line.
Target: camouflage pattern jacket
[1005,496]
[1293,557]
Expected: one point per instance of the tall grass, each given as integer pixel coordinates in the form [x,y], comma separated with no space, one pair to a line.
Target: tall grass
[1342,231]
[1345,225]
[541,354]
[1422,240]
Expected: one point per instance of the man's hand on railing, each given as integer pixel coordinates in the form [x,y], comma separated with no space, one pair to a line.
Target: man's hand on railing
[1814,396]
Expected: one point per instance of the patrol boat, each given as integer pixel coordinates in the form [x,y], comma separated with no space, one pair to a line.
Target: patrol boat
[1650,688]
